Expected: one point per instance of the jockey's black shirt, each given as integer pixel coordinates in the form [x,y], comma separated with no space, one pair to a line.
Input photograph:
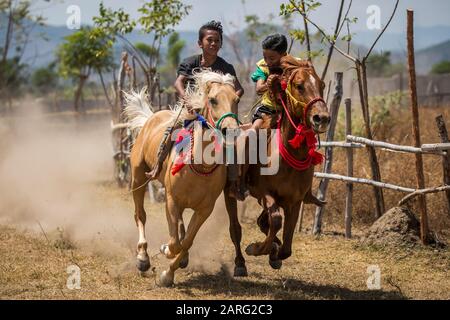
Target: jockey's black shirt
[193,63]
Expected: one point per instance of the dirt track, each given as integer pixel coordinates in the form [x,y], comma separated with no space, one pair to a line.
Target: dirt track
[57,193]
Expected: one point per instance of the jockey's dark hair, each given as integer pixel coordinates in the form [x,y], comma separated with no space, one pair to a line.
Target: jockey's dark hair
[211,25]
[276,42]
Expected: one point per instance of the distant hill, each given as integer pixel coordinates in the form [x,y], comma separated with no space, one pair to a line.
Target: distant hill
[426,58]
[424,37]
[432,43]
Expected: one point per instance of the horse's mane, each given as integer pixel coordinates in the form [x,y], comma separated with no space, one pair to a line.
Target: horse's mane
[195,95]
[289,63]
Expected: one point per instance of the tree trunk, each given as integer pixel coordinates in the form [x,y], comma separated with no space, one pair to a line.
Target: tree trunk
[8,35]
[81,81]
[415,126]
[363,93]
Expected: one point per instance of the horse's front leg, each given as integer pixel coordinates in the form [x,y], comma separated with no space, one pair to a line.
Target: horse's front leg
[197,220]
[240,270]
[290,221]
[275,223]
[173,214]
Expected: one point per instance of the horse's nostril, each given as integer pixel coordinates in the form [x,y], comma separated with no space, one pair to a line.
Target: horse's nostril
[317,119]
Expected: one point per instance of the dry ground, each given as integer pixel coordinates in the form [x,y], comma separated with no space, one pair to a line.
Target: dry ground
[33,266]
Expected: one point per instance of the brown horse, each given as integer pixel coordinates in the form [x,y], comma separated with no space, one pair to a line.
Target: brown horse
[195,185]
[281,194]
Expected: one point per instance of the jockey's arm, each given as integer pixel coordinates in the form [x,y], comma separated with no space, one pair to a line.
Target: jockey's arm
[179,85]
[239,89]
[261,86]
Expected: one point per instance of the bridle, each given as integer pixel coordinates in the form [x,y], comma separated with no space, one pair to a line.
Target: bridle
[302,130]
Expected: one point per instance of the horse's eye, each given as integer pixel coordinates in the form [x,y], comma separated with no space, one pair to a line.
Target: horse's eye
[300,87]
[213,101]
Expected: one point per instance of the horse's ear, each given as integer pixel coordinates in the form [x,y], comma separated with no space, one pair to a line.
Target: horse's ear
[208,86]
[309,63]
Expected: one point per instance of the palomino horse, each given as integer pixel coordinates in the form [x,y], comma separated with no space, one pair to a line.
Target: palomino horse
[194,185]
[304,114]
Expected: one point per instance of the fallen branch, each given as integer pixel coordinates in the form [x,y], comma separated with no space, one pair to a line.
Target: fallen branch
[421,192]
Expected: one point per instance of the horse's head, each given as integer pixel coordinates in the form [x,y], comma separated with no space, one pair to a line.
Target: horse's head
[304,93]
[219,99]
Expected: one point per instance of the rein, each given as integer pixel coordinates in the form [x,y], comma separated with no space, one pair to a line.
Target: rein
[185,133]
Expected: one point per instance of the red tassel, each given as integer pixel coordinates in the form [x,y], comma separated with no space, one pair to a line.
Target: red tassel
[283,85]
[296,141]
[311,139]
[317,157]
[179,163]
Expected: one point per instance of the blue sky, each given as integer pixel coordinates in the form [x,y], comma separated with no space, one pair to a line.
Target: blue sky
[427,13]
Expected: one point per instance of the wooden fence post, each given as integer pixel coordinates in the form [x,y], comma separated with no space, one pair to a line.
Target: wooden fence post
[416,129]
[334,109]
[349,197]
[442,129]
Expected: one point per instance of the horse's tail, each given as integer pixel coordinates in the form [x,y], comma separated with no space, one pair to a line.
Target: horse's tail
[138,110]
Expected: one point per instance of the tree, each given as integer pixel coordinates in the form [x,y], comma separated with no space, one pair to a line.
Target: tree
[17,24]
[175,46]
[442,67]
[157,18]
[83,52]
[380,65]
[168,72]
[44,79]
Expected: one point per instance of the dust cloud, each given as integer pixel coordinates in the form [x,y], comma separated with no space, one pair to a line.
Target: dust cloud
[56,175]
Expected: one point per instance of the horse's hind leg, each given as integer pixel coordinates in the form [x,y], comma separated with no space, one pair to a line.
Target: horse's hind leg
[240,270]
[143,261]
[197,220]
[275,223]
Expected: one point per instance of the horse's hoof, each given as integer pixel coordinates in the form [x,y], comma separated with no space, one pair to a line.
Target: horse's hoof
[251,249]
[184,261]
[240,271]
[164,249]
[166,280]
[143,265]
[276,264]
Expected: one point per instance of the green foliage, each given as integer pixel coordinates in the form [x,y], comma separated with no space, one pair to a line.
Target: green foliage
[112,22]
[160,16]
[23,20]
[44,79]
[256,29]
[12,78]
[83,51]
[380,65]
[442,67]
[146,50]
[382,116]
[176,45]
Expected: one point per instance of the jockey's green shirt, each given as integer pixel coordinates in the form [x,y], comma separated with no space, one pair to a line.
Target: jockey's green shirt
[262,72]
